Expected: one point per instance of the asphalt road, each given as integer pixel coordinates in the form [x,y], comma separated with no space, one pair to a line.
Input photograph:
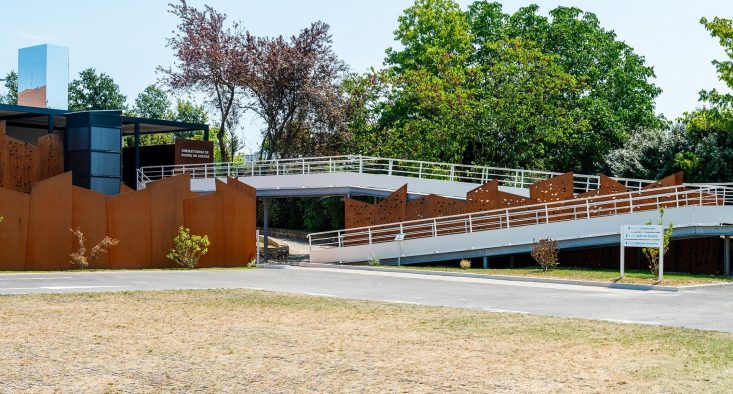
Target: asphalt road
[709,308]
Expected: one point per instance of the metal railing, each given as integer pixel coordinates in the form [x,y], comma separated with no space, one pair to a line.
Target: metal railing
[376,165]
[575,209]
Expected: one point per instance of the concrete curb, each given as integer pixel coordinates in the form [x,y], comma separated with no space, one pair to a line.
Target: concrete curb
[623,286]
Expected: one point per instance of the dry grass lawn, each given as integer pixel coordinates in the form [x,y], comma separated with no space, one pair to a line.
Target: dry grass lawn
[248,341]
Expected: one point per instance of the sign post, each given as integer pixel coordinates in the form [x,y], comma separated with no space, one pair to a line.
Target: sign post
[643,236]
[399,237]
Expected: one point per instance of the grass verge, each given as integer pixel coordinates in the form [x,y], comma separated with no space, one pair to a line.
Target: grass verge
[598,275]
[252,341]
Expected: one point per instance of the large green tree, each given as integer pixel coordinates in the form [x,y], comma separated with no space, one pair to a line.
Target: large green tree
[522,89]
[92,91]
[617,96]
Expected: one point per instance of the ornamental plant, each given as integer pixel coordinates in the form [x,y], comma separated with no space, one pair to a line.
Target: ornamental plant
[80,259]
[188,249]
[465,264]
[652,254]
[544,252]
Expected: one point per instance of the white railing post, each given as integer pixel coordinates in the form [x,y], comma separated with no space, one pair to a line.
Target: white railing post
[277,168]
[452,172]
[304,166]
[506,212]
[229,170]
[631,205]
[435,228]
[470,223]
[361,164]
[419,173]
[369,232]
[389,169]
[547,214]
[587,208]
[330,165]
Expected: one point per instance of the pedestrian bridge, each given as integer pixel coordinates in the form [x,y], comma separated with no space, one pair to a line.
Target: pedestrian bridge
[364,175]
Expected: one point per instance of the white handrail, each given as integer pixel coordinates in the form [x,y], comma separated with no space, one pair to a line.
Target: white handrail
[385,166]
[606,205]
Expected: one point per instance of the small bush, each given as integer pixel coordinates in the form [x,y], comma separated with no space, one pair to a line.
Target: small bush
[465,264]
[374,261]
[188,249]
[652,254]
[545,253]
[79,257]
[252,263]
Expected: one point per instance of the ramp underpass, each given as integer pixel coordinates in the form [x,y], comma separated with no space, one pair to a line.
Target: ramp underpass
[703,211]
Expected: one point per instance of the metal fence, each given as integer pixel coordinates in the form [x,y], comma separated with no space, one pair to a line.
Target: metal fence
[376,165]
[585,208]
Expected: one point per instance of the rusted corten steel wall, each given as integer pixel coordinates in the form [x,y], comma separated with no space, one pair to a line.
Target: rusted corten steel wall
[35,234]
[559,189]
[23,164]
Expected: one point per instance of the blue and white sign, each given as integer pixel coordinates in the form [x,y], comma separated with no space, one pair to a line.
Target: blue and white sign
[642,236]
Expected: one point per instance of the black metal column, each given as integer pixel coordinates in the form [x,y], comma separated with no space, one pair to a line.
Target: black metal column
[51,124]
[206,133]
[137,152]
[265,220]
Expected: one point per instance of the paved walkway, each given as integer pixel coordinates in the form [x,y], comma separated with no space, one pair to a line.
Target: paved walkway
[703,308]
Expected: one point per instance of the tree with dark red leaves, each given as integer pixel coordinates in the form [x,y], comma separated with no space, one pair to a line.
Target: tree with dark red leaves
[294,87]
[211,58]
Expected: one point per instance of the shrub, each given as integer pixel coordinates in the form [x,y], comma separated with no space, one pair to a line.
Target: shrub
[465,264]
[79,257]
[652,254]
[252,263]
[188,249]
[545,253]
[374,261]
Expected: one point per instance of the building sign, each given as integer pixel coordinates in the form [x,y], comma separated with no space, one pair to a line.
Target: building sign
[194,152]
[642,236]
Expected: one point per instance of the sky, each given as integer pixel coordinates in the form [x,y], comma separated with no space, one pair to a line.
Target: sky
[127,39]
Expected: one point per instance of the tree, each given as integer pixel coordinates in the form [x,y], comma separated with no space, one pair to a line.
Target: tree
[528,119]
[92,91]
[656,153]
[11,85]
[152,103]
[211,58]
[189,112]
[430,104]
[717,114]
[457,93]
[617,96]
[295,88]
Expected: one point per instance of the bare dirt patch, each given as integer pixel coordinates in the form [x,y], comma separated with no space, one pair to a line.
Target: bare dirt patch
[249,341]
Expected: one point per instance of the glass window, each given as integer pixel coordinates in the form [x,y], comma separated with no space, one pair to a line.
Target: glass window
[105,164]
[104,138]
[109,186]
[77,138]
